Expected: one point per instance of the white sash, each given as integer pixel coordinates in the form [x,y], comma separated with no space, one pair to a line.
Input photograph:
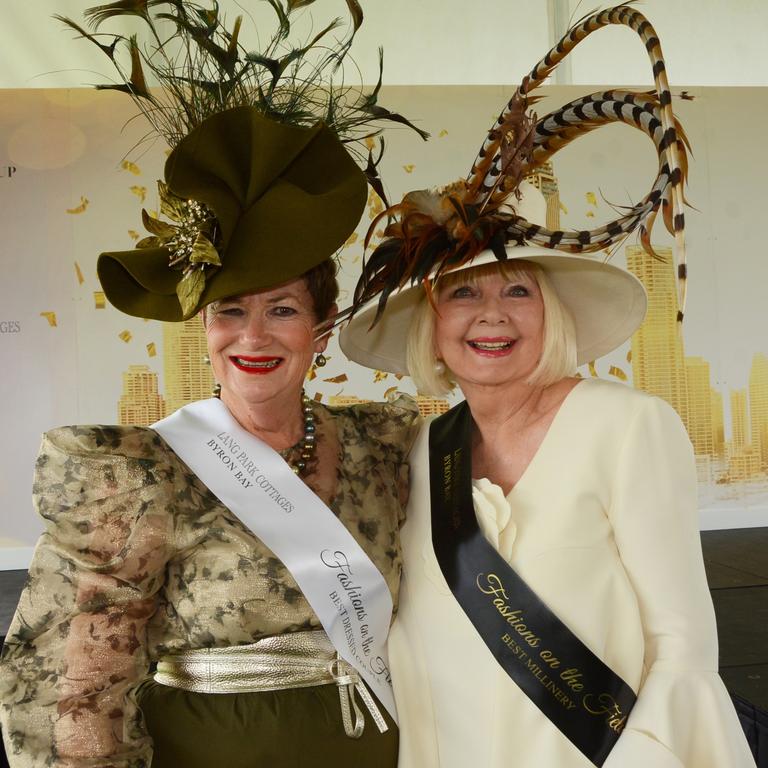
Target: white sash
[344,588]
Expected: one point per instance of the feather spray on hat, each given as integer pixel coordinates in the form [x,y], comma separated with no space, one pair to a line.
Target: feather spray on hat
[241,124]
[431,231]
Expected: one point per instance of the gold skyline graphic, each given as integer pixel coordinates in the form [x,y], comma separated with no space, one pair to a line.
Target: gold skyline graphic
[187,377]
[141,403]
[660,367]
[758,406]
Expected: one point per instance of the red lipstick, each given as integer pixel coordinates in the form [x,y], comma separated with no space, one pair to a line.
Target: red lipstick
[255,365]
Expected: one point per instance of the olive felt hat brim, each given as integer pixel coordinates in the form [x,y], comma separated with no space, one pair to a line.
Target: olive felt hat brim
[285,198]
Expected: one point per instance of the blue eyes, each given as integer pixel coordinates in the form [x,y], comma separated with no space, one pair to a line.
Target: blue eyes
[467,292]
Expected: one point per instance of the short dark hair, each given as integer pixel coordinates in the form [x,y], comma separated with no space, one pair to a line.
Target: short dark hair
[323,287]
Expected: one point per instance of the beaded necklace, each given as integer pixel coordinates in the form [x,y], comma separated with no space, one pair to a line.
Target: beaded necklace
[305,446]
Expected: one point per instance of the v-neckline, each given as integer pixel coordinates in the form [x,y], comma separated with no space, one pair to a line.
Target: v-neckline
[535,458]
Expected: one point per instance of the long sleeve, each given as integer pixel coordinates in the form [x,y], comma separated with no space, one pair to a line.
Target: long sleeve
[683,715]
[76,649]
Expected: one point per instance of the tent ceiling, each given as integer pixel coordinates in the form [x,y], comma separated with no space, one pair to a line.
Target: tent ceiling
[433,42]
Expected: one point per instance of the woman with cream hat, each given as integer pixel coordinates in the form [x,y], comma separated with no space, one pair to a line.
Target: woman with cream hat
[554,609]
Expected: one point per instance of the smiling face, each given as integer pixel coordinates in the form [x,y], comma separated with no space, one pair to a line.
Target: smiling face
[261,344]
[490,326]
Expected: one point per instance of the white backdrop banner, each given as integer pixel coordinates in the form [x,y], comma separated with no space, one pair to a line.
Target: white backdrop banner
[75,174]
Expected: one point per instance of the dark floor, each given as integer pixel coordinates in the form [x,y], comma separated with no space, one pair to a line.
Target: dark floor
[737,570]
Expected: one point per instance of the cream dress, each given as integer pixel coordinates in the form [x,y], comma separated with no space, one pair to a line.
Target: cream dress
[603,526]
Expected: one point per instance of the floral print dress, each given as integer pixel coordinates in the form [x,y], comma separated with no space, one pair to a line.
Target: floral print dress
[140,560]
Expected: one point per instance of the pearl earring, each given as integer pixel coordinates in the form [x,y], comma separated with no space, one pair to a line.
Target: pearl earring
[439,367]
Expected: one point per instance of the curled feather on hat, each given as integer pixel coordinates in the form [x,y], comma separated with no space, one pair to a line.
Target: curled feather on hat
[431,231]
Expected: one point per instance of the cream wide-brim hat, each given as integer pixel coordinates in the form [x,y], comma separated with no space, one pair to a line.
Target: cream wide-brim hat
[607,303]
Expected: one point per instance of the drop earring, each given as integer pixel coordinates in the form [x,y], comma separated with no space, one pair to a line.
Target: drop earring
[439,367]
[320,360]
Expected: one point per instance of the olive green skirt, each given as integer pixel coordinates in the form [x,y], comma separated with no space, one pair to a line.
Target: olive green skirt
[291,728]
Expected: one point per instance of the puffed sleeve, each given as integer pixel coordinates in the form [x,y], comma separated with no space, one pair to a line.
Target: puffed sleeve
[392,428]
[76,649]
[683,715]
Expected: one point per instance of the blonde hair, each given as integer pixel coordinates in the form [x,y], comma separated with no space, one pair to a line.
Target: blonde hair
[558,353]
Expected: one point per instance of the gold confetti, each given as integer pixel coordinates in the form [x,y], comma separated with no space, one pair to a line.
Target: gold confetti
[399,376]
[442,133]
[591,199]
[629,356]
[390,393]
[126,336]
[590,214]
[351,240]
[563,208]
[79,273]
[84,202]
[370,142]
[617,372]
[50,317]
[133,234]
[340,379]
[375,207]
[379,376]
[127,165]
[152,349]
[318,397]
[154,214]
[99,300]
[140,192]
[311,373]
[592,369]
[409,168]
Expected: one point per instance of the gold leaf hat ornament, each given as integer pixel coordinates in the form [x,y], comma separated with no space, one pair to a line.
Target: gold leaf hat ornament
[483,217]
[262,183]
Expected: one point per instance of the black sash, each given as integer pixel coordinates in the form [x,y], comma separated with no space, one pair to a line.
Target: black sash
[580,694]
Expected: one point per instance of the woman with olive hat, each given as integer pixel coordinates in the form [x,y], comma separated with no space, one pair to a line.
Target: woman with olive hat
[245,546]
[554,608]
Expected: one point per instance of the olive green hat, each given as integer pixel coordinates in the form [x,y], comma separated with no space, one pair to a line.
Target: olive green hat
[280,200]
[262,183]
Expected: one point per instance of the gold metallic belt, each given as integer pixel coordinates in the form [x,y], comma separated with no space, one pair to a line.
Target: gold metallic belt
[294,660]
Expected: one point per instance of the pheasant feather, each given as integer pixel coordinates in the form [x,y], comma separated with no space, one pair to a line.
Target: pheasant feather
[434,230]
